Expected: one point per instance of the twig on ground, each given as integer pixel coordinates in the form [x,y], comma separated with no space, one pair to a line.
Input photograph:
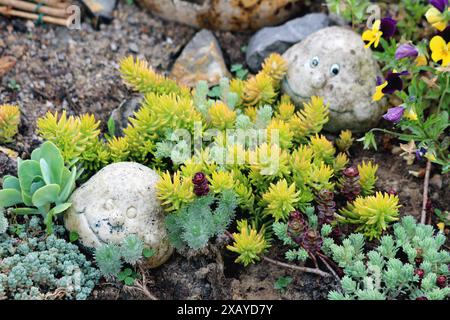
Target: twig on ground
[298,268]
[141,285]
[329,267]
[425,192]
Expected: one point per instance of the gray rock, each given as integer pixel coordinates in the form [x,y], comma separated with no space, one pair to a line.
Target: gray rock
[334,64]
[279,39]
[117,201]
[201,59]
[126,109]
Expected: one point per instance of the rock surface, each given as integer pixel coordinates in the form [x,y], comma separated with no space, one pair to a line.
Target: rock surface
[227,15]
[332,63]
[125,110]
[117,201]
[279,39]
[201,59]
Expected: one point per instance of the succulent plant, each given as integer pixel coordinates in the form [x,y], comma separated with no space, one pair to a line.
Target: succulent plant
[350,186]
[42,187]
[9,122]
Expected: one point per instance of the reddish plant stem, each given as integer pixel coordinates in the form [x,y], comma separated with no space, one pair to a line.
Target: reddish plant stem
[425,192]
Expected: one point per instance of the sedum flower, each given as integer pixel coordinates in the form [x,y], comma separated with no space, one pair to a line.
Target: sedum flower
[394,114]
[201,186]
[248,243]
[373,36]
[440,50]
[406,50]
[436,14]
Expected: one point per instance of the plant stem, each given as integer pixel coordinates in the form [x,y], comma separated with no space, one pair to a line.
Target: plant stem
[287,265]
[447,83]
[425,192]
[298,268]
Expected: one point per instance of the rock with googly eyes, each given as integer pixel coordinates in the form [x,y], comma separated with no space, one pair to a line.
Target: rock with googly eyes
[332,63]
[117,201]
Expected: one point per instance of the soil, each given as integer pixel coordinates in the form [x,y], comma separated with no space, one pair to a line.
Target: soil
[76,70]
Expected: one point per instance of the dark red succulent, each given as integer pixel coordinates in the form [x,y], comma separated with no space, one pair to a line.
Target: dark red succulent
[392,191]
[326,207]
[296,226]
[420,273]
[422,298]
[201,186]
[311,241]
[350,187]
[441,281]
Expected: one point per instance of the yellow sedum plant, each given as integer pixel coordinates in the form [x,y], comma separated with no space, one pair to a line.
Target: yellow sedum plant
[280,200]
[9,122]
[173,192]
[367,177]
[248,243]
[311,119]
[372,214]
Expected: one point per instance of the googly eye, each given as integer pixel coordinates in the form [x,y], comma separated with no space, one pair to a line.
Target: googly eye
[314,62]
[334,70]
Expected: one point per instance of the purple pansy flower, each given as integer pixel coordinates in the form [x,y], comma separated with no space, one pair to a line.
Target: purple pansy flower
[388,26]
[420,153]
[406,50]
[439,4]
[445,34]
[394,114]
[394,82]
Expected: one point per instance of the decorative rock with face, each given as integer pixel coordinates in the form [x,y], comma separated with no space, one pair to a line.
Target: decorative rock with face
[333,63]
[117,201]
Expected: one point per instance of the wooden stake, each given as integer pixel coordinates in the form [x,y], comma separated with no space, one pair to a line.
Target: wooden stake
[31,16]
[54,3]
[35,8]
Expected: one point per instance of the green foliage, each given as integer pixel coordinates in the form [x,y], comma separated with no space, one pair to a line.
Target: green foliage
[42,187]
[248,243]
[36,266]
[195,223]
[239,70]
[381,273]
[353,11]
[9,122]
[367,173]
[371,214]
[111,257]
[282,283]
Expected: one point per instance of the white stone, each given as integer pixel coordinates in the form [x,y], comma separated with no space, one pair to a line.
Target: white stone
[117,201]
[349,93]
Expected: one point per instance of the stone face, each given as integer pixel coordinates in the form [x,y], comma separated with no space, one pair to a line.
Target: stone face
[201,59]
[278,39]
[332,63]
[228,15]
[117,201]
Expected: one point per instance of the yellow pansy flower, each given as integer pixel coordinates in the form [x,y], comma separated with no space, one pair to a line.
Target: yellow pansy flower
[441,226]
[436,18]
[421,60]
[378,95]
[430,156]
[410,114]
[373,36]
[440,50]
